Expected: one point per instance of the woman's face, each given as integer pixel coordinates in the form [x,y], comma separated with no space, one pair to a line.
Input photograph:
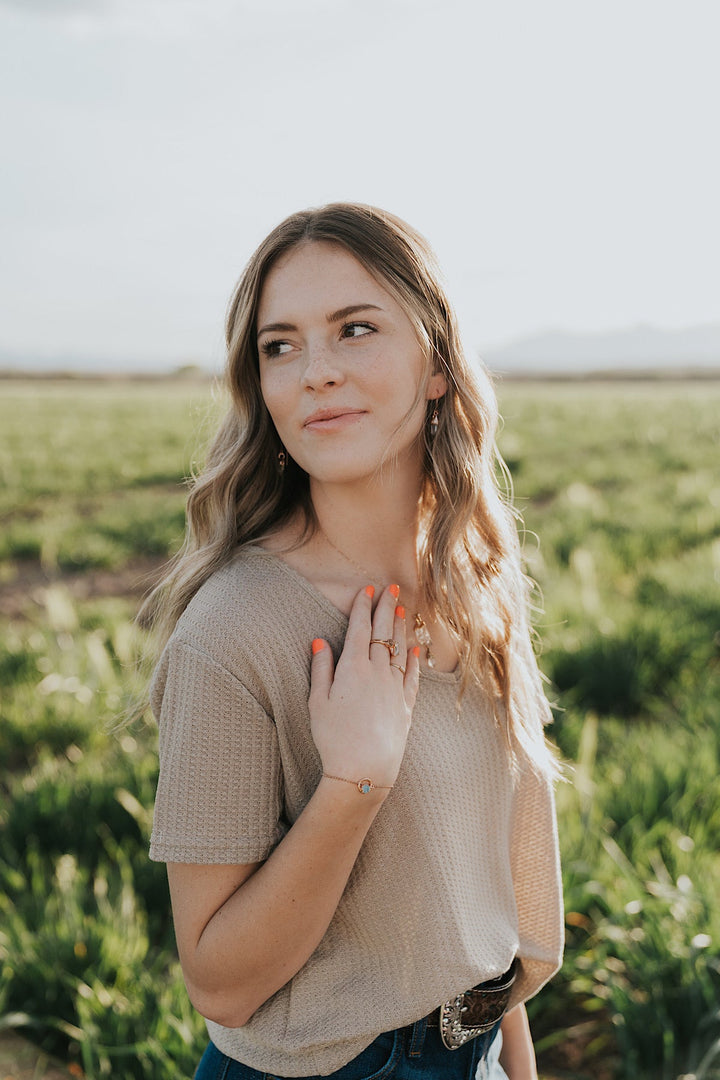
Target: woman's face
[340,367]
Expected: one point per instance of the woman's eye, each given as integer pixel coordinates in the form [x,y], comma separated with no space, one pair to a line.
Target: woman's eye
[274,348]
[357,329]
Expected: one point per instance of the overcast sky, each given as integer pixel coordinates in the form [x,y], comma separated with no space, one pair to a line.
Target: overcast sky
[561,156]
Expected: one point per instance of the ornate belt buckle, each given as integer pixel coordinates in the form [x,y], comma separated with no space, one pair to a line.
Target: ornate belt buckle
[452,1031]
[482,1008]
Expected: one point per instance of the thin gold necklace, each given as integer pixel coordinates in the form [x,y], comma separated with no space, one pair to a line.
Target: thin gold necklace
[422,634]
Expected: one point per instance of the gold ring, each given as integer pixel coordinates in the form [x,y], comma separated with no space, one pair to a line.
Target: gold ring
[399,667]
[390,644]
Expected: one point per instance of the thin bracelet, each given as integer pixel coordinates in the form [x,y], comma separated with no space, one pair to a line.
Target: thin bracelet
[364,786]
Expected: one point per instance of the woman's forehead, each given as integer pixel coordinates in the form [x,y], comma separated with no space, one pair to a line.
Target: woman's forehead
[318,276]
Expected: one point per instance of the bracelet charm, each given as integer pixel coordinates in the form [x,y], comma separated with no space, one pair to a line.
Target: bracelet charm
[364,785]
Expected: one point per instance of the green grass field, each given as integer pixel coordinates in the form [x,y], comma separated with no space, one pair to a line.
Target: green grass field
[619,485]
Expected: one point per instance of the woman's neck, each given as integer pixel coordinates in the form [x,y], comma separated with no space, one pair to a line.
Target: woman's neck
[366,536]
[374,528]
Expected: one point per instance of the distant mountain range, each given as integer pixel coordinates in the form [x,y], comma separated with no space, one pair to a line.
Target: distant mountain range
[20,363]
[641,349]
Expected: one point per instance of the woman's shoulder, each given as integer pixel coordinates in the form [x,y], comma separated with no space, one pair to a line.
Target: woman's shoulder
[254,603]
[236,595]
[229,625]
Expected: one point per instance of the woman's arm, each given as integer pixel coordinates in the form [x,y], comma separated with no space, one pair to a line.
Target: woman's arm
[244,931]
[517,1056]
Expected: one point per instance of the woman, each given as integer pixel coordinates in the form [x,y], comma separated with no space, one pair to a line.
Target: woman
[355,799]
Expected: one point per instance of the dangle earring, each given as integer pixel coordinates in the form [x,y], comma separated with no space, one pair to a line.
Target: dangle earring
[282,461]
[434,421]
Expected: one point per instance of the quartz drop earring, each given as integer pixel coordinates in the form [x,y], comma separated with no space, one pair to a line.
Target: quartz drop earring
[434,421]
[282,461]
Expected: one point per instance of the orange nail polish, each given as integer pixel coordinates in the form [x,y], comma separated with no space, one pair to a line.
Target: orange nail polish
[395,590]
[318,645]
[370,590]
[416,650]
[400,611]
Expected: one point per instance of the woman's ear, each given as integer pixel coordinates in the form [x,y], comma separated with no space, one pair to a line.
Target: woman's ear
[436,387]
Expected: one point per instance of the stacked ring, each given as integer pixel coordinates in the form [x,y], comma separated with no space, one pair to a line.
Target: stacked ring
[390,644]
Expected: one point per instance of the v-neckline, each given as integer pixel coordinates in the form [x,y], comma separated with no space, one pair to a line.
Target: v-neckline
[331,609]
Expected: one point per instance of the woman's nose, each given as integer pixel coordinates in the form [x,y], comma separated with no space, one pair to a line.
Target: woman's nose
[322,368]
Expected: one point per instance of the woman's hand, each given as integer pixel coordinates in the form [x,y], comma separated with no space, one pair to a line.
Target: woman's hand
[360,712]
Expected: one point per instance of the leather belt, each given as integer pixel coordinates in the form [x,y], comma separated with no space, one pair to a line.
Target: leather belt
[475,1011]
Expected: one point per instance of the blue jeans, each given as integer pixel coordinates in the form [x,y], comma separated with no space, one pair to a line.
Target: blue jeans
[415,1052]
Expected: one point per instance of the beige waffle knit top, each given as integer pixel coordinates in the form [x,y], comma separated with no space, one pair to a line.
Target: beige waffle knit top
[458,872]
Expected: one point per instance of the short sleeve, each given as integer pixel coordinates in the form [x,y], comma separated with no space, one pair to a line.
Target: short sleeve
[219,791]
[537,883]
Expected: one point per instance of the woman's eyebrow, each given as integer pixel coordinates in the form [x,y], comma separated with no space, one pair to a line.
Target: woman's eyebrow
[351,309]
[284,327]
[335,316]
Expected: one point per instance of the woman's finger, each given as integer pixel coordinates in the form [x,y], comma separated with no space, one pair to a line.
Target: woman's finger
[321,671]
[399,662]
[383,628]
[359,624]
[412,677]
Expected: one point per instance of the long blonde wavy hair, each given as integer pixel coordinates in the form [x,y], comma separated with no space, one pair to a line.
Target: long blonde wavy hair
[469,561]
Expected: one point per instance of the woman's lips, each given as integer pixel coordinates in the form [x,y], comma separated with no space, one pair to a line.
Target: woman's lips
[331,420]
